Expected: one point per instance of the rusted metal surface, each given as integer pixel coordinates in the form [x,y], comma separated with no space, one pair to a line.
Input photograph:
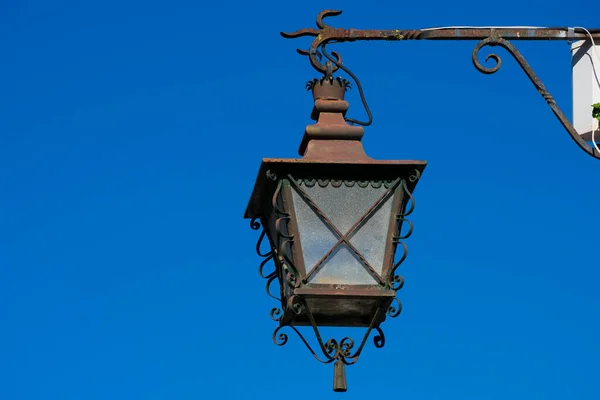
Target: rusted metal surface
[327,34]
[493,36]
[339,377]
[328,88]
[331,138]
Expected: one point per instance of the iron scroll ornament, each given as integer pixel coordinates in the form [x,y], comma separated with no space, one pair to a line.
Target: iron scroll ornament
[487,36]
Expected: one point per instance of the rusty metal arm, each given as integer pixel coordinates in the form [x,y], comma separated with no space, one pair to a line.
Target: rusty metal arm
[495,36]
[327,34]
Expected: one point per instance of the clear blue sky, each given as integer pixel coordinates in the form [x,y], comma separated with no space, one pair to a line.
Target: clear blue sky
[130,137]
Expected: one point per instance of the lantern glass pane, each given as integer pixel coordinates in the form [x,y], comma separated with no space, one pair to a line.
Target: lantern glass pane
[344,207]
[316,237]
[371,237]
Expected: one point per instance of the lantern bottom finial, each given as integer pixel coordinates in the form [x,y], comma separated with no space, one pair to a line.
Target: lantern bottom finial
[339,377]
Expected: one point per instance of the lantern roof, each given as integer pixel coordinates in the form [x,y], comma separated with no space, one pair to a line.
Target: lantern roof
[364,169]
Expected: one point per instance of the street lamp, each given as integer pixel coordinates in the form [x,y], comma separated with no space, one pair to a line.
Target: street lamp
[335,218]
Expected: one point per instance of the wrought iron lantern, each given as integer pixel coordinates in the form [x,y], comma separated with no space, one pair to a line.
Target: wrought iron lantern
[334,220]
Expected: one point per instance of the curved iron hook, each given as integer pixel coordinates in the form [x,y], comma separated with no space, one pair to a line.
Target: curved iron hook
[321,36]
[338,64]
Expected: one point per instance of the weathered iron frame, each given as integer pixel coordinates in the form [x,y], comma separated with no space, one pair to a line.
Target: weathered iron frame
[332,350]
[290,271]
[487,37]
[332,154]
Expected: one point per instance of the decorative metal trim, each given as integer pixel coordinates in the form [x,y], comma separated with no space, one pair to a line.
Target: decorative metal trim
[396,281]
[331,350]
[270,277]
[348,183]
